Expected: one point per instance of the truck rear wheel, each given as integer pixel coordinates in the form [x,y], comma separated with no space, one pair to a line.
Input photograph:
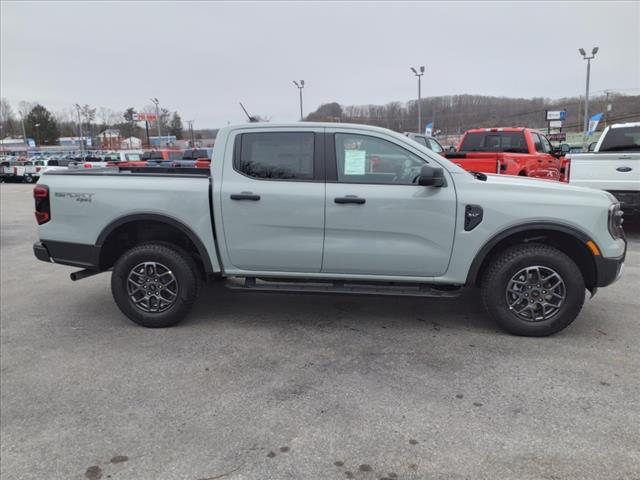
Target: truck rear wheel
[154,284]
[533,290]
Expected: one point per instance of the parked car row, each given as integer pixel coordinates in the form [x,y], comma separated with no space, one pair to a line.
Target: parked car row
[20,168]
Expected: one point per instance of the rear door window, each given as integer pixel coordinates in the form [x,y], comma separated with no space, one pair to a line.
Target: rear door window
[546,146]
[435,146]
[622,139]
[276,155]
[421,140]
[537,143]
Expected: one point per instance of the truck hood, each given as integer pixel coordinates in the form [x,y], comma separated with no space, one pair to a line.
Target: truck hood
[548,186]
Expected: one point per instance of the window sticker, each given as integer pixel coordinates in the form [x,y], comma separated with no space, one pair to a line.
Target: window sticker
[354,162]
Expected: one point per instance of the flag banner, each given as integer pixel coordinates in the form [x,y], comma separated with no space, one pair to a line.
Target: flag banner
[593,123]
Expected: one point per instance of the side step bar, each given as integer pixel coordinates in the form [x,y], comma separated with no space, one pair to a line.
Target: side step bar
[291,286]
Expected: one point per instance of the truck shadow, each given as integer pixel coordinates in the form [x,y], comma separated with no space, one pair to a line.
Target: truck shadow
[219,304]
[632,228]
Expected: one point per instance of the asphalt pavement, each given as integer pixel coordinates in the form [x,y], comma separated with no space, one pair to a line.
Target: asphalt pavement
[256,386]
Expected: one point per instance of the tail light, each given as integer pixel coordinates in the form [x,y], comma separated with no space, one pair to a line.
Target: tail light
[565,170]
[43,207]
[87,165]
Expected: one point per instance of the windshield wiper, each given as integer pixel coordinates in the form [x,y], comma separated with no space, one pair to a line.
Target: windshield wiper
[479,175]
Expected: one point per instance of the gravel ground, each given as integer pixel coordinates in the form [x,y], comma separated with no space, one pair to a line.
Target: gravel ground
[306,387]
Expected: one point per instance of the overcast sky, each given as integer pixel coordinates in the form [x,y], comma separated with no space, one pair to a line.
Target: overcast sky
[202,58]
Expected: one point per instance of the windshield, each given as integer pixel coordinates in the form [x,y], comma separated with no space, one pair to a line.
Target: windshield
[623,139]
[512,142]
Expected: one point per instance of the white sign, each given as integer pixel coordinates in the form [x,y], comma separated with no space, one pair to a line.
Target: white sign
[428,129]
[354,162]
[555,124]
[556,114]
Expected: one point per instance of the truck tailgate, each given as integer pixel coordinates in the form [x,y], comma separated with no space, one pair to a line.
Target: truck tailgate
[606,171]
[477,162]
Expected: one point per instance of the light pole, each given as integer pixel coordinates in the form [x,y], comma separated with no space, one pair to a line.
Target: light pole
[157,104]
[586,95]
[300,86]
[37,125]
[78,108]
[419,75]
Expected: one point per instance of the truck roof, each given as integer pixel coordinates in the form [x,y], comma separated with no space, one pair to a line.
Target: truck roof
[271,125]
[502,129]
[626,125]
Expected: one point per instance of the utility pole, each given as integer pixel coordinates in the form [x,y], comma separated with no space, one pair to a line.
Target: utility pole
[24,131]
[300,86]
[419,75]
[157,104]
[146,127]
[78,108]
[193,140]
[586,95]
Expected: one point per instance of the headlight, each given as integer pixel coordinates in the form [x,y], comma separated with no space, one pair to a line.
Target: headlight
[615,221]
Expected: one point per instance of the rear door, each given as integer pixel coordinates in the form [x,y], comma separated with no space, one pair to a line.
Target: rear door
[378,221]
[272,200]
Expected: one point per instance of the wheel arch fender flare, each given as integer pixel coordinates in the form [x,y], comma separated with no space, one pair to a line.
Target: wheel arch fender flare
[485,250]
[160,218]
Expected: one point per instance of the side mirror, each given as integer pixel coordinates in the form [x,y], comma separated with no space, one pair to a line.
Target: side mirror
[431,177]
[564,148]
[592,146]
[452,149]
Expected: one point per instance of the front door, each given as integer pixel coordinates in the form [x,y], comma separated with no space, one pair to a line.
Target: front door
[272,200]
[378,221]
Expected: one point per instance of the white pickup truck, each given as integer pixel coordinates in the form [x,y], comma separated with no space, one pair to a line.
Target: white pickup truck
[332,208]
[613,165]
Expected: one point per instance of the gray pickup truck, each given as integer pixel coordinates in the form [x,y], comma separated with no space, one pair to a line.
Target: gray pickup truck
[332,208]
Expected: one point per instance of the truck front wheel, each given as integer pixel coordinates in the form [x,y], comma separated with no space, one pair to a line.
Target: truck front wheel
[533,290]
[155,284]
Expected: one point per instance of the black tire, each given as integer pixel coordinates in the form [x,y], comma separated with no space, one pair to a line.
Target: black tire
[28,179]
[175,263]
[501,273]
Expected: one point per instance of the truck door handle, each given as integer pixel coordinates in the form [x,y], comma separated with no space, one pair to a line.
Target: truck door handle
[624,169]
[350,199]
[624,157]
[245,196]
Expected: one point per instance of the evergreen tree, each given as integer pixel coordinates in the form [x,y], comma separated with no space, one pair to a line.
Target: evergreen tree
[46,132]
